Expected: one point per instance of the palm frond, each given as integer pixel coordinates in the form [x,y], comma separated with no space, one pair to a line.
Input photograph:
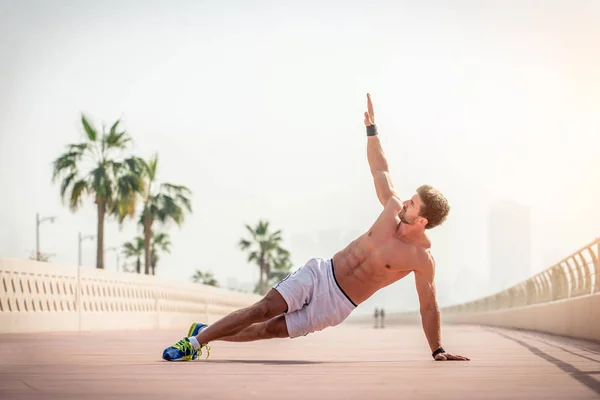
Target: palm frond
[79,188]
[78,148]
[135,165]
[102,183]
[113,128]
[152,167]
[128,187]
[65,164]
[244,244]
[128,250]
[252,232]
[135,248]
[161,241]
[253,256]
[262,228]
[91,132]
[116,140]
[66,183]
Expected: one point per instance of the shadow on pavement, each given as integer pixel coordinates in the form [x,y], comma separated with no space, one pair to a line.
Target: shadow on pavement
[581,376]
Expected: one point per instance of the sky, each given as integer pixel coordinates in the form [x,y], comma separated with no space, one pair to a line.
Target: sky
[258,108]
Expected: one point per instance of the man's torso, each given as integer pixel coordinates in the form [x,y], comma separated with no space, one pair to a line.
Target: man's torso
[379,257]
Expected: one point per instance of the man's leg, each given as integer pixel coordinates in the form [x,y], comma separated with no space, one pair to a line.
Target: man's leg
[269,307]
[271,329]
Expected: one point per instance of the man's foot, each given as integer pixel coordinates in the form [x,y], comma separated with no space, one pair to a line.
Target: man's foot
[181,351]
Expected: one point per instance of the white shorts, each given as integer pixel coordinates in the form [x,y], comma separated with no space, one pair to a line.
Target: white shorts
[315,300]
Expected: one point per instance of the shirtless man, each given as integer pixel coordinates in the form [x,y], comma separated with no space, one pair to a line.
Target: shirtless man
[323,293]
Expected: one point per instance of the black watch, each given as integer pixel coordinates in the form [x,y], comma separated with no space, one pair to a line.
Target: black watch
[438,351]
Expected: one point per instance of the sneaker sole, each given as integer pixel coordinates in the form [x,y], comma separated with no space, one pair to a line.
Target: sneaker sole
[186,358]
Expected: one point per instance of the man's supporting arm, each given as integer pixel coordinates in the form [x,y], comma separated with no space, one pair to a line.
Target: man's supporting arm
[430,317]
[430,312]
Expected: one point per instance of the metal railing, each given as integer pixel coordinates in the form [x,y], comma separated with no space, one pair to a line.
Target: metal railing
[576,275]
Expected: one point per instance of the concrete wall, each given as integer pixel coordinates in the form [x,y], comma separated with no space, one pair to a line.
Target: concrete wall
[576,317]
[41,297]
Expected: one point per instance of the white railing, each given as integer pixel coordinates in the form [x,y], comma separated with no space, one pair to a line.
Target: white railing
[574,276]
[37,296]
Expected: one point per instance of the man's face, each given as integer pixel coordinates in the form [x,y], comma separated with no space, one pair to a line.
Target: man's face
[410,210]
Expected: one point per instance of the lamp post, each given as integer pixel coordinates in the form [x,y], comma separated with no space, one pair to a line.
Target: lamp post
[38,222]
[117,254]
[81,239]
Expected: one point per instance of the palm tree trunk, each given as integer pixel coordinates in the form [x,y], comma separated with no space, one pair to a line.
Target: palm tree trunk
[261,265]
[267,275]
[100,235]
[147,237]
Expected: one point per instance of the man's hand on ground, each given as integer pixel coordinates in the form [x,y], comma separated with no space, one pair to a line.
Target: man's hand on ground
[369,114]
[450,357]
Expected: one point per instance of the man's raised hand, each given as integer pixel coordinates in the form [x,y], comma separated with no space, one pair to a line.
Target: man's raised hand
[369,114]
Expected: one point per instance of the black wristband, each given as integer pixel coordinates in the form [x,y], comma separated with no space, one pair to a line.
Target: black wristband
[438,351]
[372,130]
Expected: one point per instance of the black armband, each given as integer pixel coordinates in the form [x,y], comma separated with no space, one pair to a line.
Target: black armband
[372,130]
[438,351]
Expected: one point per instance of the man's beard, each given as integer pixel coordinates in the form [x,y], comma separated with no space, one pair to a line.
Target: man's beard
[403,218]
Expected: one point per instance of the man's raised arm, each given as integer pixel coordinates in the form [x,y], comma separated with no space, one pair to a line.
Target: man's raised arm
[377,161]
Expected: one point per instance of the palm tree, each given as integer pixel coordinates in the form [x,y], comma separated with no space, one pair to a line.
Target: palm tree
[93,167]
[162,242]
[206,278]
[135,249]
[281,266]
[264,248]
[165,202]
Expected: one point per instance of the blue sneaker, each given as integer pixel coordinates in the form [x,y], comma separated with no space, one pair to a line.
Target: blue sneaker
[180,351]
[195,329]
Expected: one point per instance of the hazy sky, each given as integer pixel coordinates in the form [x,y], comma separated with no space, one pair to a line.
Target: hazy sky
[257,107]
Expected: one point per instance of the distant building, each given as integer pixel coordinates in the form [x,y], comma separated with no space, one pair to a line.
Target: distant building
[510,245]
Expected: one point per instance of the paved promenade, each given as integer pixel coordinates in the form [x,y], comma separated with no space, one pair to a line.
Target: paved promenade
[346,362]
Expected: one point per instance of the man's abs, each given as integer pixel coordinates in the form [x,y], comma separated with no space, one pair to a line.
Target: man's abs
[364,267]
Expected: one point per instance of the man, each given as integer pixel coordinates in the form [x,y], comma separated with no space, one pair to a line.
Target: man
[323,293]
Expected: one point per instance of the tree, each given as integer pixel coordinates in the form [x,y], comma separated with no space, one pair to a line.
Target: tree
[281,266]
[163,203]
[135,249]
[264,248]
[280,269]
[160,242]
[94,167]
[206,278]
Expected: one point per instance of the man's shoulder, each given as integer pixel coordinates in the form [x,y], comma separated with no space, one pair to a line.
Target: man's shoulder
[426,263]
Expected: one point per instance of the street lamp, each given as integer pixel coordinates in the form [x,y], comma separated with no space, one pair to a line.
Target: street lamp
[81,239]
[116,252]
[38,222]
